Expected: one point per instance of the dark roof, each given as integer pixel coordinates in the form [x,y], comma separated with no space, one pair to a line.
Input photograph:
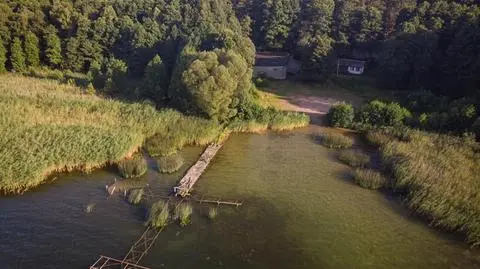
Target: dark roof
[351,62]
[271,59]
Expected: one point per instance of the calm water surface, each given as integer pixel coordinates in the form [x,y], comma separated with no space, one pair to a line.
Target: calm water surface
[301,210]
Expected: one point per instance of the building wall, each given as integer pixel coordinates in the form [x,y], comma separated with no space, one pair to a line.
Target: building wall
[273,72]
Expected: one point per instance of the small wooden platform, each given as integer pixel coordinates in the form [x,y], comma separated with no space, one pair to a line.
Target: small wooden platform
[194,173]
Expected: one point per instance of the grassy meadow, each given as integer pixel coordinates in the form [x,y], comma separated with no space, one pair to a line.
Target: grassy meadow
[440,175]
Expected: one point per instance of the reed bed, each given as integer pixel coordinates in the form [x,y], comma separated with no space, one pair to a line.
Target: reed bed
[170,164]
[136,196]
[354,158]
[369,179]
[440,174]
[48,127]
[132,167]
[183,214]
[335,141]
[158,215]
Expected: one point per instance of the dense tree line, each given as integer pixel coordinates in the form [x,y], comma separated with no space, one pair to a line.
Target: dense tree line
[183,49]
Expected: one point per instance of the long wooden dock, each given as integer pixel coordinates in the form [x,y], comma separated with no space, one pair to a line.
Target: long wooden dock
[193,174]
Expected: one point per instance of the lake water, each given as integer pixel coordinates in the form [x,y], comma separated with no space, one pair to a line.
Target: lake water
[301,210]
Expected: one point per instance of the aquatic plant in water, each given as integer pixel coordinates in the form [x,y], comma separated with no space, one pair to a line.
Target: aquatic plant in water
[336,141]
[183,213]
[170,164]
[212,213]
[369,179]
[158,215]
[135,196]
[132,168]
[354,158]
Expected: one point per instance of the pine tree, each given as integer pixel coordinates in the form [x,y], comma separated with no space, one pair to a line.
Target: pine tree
[73,59]
[17,58]
[53,51]
[3,57]
[32,51]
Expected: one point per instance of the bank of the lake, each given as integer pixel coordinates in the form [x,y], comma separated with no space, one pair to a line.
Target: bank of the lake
[301,210]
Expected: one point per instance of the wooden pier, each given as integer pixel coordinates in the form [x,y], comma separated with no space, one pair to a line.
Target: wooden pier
[194,173]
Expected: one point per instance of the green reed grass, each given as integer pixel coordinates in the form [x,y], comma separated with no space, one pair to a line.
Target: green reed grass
[369,179]
[136,196]
[132,168]
[170,164]
[336,141]
[441,176]
[51,127]
[354,158]
[183,213]
[212,213]
[159,215]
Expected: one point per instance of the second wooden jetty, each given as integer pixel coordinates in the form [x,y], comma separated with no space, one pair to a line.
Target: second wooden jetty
[194,173]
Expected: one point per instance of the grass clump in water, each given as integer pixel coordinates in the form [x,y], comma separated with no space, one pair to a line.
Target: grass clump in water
[183,213]
[170,164]
[159,215]
[354,158]
[212,213]
[135,196]
[132,168]
[336,141]
[369,179]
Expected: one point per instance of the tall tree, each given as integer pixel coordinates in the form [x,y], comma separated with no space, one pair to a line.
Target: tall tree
[53,51]
[17,58]
[155,81]
[32,50]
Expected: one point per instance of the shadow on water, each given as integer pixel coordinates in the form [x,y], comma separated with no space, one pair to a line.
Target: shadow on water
[236,238]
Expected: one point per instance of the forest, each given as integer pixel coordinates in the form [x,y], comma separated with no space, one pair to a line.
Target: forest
[432,46]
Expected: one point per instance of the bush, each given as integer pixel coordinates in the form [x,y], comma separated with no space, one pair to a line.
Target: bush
[354,158]
[378,113]
[132,168]
[369,179]
[476,128]
[183,213]
[158,215]
[336,141]
[170,164]
[341,115]
[135,196]
[261,82]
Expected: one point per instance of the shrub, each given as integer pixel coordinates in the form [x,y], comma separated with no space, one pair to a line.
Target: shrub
[336,141]
[354,158]
[135,196]
[212,213]
[183,213]
[261,82]
[158,215]
[132,168]
[170,164]
[476,128]
[340,115]
[369,179]
[378,113]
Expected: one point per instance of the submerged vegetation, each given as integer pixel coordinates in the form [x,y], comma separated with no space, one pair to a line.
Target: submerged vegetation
[170,164]
[212,213]
[335,141]
[132,168]
[369,179]
[354,158]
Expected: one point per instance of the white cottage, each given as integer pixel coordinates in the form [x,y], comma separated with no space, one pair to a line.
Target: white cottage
[350,66]
[272,65]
